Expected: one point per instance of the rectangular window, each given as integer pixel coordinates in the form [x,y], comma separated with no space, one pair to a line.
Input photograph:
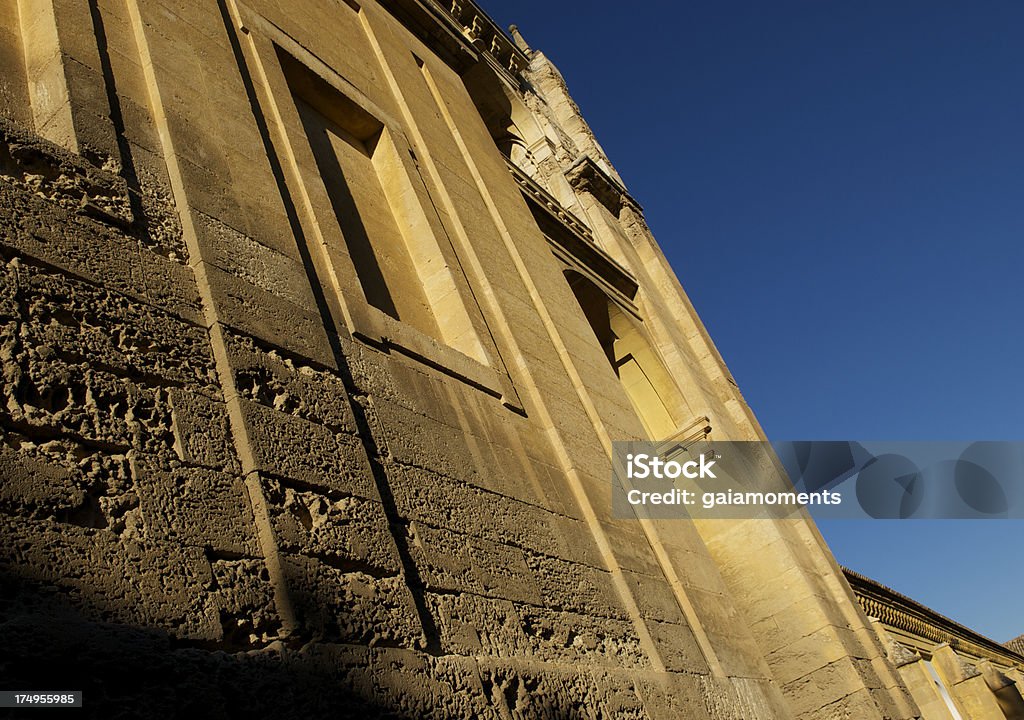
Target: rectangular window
[400,281]
[369,221]
[358,164]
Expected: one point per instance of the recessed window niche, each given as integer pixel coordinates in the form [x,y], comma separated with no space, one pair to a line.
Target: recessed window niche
[364,166]
[637,364]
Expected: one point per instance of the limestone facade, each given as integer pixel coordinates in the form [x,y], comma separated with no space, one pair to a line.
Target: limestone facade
[951,671]
[317,320]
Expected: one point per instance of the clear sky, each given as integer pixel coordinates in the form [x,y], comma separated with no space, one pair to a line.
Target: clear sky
[840,188]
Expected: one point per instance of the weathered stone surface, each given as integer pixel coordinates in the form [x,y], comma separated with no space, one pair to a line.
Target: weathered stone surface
[304,452]
[196,507]
[575,587]
[419,686]
[279,382]
[674,695]
[560,636]
[147,584]
[250,309]
[354,607]
[413,439]
[202,431]
[457,563]
[244,601]
[344,532]
[300,418]
[34,486]
[422,494]
[77,321]
[474,625]
[61,177]
[536,692]
[243,257]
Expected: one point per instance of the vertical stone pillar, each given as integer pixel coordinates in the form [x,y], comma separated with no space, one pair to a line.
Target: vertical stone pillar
[925,692]
[14,101]
[64,68]
[1005,689]
[1018,679]
[914,673]
[783,581]
[967,684]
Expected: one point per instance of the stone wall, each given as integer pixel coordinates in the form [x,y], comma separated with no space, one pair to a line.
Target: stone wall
[235,481]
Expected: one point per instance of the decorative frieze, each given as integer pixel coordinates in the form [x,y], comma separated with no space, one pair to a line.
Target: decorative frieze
[929,628]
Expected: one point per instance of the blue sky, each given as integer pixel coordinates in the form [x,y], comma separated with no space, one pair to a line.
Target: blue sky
[839,187]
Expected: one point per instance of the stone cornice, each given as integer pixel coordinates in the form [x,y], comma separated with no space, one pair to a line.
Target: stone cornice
[462,33]
[487,37]
[585,175]
[572,238]
[537,193]
[900,612]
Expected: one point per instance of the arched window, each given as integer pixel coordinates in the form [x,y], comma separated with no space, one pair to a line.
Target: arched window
[647,383]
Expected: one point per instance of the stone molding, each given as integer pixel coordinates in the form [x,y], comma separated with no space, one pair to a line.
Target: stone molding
[585,175]
[464,31]
[901,613]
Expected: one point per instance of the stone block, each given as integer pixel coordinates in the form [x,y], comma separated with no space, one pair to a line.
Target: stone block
[655,597]
[440,501]
[415,685]
[575,587]
[52,398]
[473,625]
[616,694]
[307,392]
[237,254]
[244,600]
[732,698]
[346,532]
[274,320]
[196,507]
[452,562]
[81,322]
[859,704]
[795,659]
[202,431]
[149,583]
[347,668]
[673,695]
[677,647]
[631,549]
[307,453]
[91,110]
[568,637]
[352,607]
[34,488]
[545,691]
[413,439]
[815,694]
[166,282]
[41,228]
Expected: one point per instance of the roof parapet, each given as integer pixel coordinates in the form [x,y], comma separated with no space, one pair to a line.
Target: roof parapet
[487,37]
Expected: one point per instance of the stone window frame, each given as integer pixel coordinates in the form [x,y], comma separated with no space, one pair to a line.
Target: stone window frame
[363,321]
[574,249]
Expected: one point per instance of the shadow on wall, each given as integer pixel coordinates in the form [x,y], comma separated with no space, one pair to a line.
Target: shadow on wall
[127,671]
